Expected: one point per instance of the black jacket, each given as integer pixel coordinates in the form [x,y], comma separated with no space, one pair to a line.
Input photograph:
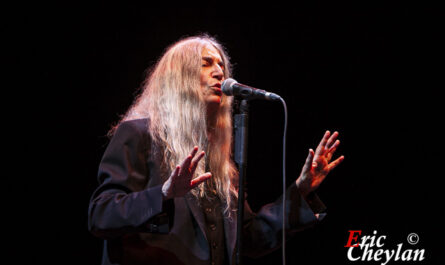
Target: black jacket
[127,211]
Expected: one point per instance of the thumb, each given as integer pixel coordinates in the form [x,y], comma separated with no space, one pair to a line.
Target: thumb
[196,181]
[308,163]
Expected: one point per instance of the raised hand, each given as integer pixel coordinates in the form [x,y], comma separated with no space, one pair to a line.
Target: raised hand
[180,181]
[318,164]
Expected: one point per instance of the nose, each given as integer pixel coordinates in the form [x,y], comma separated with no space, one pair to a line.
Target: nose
[217,72]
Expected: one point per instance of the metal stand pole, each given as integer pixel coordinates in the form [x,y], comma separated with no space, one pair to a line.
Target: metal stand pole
[241,130]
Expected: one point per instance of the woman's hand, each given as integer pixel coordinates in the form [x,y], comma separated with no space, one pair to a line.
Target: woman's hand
[318,165]
[180,182]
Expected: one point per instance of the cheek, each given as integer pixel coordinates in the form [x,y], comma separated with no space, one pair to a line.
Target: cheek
[203,79]
[204,86]
[205,76]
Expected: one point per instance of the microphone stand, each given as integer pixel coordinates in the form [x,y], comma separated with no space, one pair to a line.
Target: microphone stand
[241,129]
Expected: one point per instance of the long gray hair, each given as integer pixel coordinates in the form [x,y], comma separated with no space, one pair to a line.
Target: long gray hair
[172,100]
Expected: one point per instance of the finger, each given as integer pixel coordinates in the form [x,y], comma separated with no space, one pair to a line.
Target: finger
[186,163]
[194,151]
[321,146]
[332,150]
[188,160]
[195,162]
[335,163]
[308,162]
[334,146]
[331,140]
[175,172]
[185,166]
[198,180]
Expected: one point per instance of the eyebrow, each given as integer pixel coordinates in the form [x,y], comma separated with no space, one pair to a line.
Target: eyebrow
[211,59]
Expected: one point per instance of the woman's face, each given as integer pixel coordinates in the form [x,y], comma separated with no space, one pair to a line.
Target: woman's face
[212,76]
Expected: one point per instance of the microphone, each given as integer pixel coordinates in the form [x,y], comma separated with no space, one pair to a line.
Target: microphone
[231,87]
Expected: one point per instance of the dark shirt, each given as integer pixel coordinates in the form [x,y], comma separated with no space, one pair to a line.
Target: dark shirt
[213,215]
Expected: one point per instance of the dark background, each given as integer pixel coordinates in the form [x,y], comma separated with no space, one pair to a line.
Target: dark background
[369,70]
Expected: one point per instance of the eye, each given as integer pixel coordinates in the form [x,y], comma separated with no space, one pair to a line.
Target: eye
[205,63]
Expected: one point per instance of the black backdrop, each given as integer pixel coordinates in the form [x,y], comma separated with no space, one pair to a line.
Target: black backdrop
[369,71]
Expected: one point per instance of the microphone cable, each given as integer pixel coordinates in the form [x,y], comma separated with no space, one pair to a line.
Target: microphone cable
[284,183]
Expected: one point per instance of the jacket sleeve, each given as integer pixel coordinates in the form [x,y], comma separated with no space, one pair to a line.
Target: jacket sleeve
[262,231]
[122,203]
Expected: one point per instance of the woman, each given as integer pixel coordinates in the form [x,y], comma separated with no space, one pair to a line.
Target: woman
[160,201]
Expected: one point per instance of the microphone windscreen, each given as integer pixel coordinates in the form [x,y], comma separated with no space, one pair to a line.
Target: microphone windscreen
[226,86]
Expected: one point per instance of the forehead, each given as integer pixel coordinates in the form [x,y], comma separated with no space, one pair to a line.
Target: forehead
[211,51]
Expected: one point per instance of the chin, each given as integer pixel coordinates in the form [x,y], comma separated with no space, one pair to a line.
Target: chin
[214,100]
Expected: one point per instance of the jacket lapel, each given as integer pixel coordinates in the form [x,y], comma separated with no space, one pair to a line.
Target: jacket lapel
[193,205]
